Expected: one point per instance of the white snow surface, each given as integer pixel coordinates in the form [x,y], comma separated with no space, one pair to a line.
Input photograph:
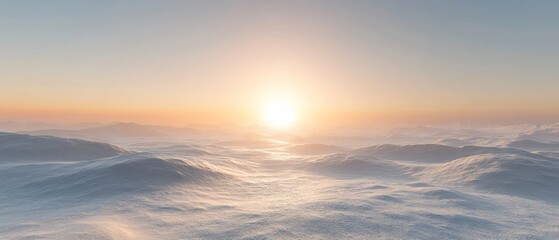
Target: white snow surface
[441,182]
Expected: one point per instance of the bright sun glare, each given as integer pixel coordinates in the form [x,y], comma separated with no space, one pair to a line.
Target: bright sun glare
[279,114]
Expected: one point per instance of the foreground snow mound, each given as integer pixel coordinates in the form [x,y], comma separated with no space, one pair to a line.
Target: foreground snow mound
[431,153]
[22,148]
[126,173]
[535,177]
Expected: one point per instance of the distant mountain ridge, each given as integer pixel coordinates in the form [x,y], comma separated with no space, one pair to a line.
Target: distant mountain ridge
[118,130]
[8,126]
[23,148]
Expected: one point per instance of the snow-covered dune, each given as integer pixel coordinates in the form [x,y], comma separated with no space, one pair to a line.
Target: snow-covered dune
[533,145]
[532,176]
[25,148]
[352,165]
[498,170]
[125,173]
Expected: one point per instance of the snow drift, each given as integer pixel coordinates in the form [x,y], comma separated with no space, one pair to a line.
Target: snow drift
[125,173]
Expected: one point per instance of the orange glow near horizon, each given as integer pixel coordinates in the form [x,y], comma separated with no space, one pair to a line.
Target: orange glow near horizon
[307,117]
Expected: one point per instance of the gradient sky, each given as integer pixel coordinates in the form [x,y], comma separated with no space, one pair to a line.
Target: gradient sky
[179,62]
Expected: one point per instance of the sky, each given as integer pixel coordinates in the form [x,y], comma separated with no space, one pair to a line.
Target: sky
[351,62]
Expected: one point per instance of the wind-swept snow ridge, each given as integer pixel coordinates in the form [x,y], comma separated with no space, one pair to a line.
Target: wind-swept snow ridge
[125,173]
[431,153]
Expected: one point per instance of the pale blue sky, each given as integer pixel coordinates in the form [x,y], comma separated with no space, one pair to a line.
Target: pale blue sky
[386,57]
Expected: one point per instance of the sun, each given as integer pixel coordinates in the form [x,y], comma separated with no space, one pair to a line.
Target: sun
[279,114]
